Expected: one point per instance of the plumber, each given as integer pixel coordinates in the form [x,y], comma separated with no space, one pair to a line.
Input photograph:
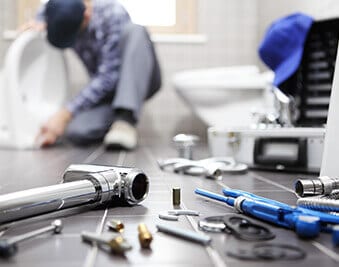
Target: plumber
[122,65]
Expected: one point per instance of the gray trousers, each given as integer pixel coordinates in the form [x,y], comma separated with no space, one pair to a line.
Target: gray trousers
[140,79]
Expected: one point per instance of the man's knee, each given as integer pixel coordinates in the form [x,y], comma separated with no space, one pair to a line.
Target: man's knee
[135,31]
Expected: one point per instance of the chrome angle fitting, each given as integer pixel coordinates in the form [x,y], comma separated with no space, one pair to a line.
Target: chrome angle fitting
[324,185]
[83,184]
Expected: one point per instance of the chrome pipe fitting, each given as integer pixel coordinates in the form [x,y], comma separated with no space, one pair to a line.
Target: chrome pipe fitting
[184,144]
[322,186]
[82,185]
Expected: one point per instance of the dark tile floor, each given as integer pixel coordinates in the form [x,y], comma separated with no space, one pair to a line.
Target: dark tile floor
[26,169]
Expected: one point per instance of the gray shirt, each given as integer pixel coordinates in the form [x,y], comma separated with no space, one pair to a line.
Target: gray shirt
[97,46]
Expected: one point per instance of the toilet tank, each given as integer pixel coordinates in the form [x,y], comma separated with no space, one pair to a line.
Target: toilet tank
[35,85]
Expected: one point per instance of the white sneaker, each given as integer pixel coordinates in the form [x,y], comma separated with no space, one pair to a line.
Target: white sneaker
[121,135]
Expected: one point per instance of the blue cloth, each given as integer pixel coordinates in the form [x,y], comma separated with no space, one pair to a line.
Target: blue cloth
[97,46]
[283,45]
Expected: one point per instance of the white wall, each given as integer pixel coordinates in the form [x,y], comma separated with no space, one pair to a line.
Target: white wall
[231,29]
[269,10]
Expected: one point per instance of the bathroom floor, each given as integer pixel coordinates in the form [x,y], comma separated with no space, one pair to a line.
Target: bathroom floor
[26,169]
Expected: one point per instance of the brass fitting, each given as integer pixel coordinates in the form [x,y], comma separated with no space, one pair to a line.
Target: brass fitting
[119,245]
[145,237]
[176,196]
[116,226]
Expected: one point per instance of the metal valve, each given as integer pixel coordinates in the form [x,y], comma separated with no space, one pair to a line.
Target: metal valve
[324,185]
[184,144]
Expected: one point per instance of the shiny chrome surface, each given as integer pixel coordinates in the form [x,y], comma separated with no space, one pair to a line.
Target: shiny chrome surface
[323,185]
[83,184]
[210,167]
[184,144]
[286,107]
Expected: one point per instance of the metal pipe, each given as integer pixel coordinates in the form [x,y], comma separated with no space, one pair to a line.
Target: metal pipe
[325,203]
[324,185]
[82,185]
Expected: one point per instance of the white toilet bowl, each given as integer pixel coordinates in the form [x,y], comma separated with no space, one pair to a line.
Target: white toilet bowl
[225,96]
[33,87]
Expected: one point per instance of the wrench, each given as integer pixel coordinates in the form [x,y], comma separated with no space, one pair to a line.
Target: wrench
[8,246]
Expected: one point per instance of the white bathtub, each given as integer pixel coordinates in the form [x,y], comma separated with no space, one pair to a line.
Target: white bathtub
[224,96]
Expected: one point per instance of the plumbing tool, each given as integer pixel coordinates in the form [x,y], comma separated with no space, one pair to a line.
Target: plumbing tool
[145,236]
[237,225]
[115,242]
[210,167]
[116,226]
[82,185]
[173,215]
[325,203]
[269,252]
[185,234]
[168,217]
[8,246]
[324,185]
[184,144]
[306,223]
[176,196]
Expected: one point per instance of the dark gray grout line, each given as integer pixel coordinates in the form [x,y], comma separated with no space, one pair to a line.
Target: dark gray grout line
[212,253]
[93,251]
[328,252]
[95,154]
[92,254]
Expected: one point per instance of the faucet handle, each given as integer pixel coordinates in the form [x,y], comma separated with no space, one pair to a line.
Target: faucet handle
[184,144]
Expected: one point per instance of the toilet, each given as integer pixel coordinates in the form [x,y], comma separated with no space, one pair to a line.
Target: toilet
[33,85]
[225,96]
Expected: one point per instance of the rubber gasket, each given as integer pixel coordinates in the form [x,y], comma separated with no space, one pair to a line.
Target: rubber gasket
[245,229]
[278,251]
[269,252]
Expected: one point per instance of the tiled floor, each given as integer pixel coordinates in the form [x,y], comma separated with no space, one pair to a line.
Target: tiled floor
[27,169]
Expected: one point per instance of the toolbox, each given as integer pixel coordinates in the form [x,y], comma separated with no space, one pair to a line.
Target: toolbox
[292,149]
[297,148]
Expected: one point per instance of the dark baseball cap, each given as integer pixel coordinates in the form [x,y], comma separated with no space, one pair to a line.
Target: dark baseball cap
[64,19]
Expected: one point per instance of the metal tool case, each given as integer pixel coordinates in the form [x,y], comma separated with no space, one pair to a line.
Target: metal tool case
[293,149]
[300,145]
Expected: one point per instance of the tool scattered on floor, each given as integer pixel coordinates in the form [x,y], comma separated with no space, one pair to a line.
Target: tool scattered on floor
[305,222]
[268,252]
[212,168]
[116,226]
[176,196]
[325,203]
[145,236]
[185,234]
[173,215]
[324,185]
[115,242]
[8,246]
[168,217]
[82,185]
[184,144]
[237,225]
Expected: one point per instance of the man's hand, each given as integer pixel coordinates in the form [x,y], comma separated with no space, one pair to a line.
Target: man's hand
[54,128]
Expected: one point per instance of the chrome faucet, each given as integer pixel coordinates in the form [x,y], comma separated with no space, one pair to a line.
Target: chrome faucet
[82,185]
